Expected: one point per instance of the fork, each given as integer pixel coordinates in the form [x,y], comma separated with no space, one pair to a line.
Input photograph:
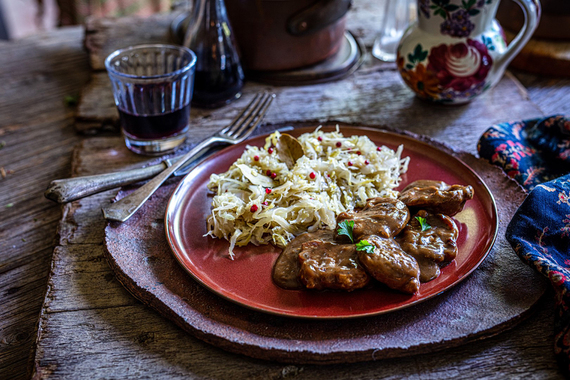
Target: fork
[237,131]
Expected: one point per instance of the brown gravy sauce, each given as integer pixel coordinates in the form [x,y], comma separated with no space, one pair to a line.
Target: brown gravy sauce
[431,249]
[286,268]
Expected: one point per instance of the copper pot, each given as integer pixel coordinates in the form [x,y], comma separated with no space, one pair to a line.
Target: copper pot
[287,34]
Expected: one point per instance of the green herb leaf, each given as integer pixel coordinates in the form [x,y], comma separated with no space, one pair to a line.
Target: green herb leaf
[423,223]
[345,228]
[364,245]
[71,100]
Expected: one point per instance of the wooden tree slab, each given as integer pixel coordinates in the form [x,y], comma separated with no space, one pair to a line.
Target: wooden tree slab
[543,57]
[90,325]
[488,302]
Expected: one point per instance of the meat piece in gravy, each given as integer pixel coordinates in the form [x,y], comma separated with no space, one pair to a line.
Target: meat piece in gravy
[390,265]
[384,217]
[327,265]
[437,244]
[436,196]
[286,267]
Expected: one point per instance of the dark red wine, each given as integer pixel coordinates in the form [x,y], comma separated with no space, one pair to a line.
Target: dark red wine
[157,126]
[214,87]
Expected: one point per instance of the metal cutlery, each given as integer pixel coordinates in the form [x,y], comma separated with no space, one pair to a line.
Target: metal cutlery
[240,129]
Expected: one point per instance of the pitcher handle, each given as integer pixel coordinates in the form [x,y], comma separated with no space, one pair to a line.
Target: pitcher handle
[531,10]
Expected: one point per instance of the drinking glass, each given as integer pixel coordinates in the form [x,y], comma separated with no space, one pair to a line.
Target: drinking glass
[398,14]
[152,86]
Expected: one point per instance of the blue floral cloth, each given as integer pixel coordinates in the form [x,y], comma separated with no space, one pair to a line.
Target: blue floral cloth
[536,153]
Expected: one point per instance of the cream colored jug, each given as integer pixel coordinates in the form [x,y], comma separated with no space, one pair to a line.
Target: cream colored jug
[456,49]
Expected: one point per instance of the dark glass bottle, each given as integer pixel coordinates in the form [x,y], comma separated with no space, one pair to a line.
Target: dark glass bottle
[219,75]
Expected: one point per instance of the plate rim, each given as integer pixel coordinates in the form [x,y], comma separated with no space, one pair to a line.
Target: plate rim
[434,144]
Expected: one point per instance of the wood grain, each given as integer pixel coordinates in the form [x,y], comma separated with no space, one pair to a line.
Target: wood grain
[543,56]
[37,138]
[368,96]
[36,131]
[373,95]
[89,318]
[140,257]
[101,34]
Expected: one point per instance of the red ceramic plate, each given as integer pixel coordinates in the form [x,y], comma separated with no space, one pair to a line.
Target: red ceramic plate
[247,279]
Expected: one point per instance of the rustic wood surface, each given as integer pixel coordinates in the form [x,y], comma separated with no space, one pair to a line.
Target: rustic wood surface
[543,57]
[36,136]
[36,140]
[143,263]
[374,95]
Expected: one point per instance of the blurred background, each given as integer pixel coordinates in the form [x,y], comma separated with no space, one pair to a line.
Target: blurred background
[20,18]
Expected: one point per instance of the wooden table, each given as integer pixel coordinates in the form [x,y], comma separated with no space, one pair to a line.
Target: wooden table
[37,138]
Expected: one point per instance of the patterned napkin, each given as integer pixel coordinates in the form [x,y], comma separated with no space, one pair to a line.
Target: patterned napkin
[536,153]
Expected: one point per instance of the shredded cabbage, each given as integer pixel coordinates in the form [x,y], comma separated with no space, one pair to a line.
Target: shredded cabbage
[253,205]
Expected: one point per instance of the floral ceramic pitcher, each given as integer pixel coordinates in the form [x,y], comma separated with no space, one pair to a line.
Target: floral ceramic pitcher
[457,50]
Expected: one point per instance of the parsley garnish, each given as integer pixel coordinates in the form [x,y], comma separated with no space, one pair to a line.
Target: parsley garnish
[364,245]
[71,100]
[345,228]
[423,223]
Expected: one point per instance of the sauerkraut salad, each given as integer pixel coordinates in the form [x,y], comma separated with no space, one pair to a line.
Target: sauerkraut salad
[267,197]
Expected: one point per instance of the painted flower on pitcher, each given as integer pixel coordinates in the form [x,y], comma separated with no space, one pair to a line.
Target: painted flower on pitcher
[424,7]
[456,71]
[423,82]
[458,24]
[457,18]
[460,66]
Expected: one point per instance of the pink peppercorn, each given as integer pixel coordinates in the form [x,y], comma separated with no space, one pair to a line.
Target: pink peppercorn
[338,144]
[265,203]
[256,158]
[270,150]
[273,175]
[366,162]
[268,191]
[253,208]
[320,138]
[268,173]
[349,163]
[359,153]
[312,175]
[379,149]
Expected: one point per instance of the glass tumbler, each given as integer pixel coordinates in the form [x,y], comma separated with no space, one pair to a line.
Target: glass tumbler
[398,14]
[152,87]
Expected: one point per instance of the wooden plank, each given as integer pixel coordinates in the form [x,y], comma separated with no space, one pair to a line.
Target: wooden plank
[141,259]
[156,349]
[543,56]
[101,33]
[550,94]
[75,285]
[36,74]
[36,136]
[90,324]
[375,94]
[370,96]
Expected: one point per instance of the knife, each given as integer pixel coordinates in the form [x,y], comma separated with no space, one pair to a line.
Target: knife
[71,189]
